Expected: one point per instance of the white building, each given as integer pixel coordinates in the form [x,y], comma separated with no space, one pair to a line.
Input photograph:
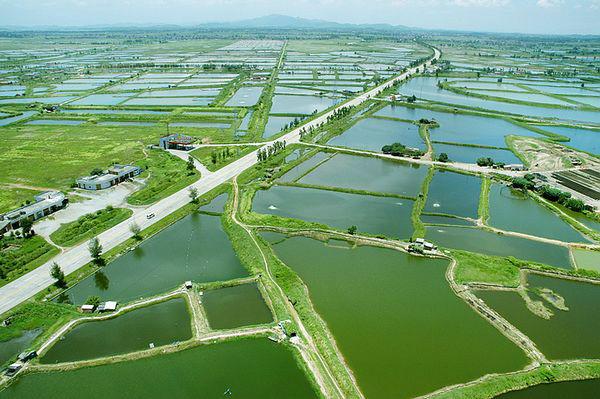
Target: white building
[45,203]
[113,176]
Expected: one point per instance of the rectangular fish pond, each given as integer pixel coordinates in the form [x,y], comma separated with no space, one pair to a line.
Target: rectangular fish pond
[158,324]
[376,215]
[398,324]
[195,248]
[209,371]
[237,306]
[567,334]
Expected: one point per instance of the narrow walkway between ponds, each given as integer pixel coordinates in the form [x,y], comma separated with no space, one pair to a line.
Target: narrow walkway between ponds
[310,350]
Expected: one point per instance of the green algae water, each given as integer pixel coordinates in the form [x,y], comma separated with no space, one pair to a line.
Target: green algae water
[248,368]
[567,334]
[589,260]
[369,174]
[195,248]
[11,348]
[513,211]
[485,242]
[238,306]
[371,214]
[453,194]
[216,205]
[158,324]
[586,389]
[401,329]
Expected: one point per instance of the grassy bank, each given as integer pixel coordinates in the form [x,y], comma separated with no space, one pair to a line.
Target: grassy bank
[165,174]
[89,226]
[478,268]
[21,255]
[494,385]
[214,158]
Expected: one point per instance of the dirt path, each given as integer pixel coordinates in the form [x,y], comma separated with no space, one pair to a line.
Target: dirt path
[501,324]
[311,347]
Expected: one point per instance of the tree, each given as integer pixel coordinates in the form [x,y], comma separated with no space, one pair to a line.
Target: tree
[96,172]
[135,230]
[352,229]
[26,225]
[95,249]
[213,157]
[190,164]
[575,204]
[57,274]
[485,161]
[193,194]
[443,157]
[523,184]
[93,300]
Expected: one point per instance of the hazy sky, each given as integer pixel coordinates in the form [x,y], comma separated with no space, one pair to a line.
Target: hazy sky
[530,16]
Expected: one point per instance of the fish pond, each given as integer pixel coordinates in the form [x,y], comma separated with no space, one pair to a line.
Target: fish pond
[209,371]
[478,240]
[372,134]
[586,389]
[453,194]
[158,325]
[514,211]
[461,128]
[237,306]
[376,215]
[426,88]
[195,248]
[396,321]
[581,139]
[369,174]
[568,334]
[11,348]
[469,154]
[304,105]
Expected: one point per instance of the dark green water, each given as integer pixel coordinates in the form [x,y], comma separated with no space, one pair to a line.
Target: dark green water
[10,349]
[395,319]
[566,335]
[485,242]
[587,389]
[217,204]
[370,174]
[249,368]
[195,248]
[376,215]
[454,194]
[159,324]
[511,210]
[232,307]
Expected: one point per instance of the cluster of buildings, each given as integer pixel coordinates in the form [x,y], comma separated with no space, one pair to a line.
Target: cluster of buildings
[44,204]
[176,142]
[113,176]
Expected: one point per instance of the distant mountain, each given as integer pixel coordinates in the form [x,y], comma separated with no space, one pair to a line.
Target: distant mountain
[274,21]
[287,22]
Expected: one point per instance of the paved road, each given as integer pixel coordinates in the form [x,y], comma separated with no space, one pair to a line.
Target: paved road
[72,259]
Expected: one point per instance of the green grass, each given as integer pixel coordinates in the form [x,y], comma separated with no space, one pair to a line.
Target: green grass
[500,383]
[478,268]
[13,197]
[484,199]
[166,174]
[89,225]
[224,155]
[21,255]
[32,315]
